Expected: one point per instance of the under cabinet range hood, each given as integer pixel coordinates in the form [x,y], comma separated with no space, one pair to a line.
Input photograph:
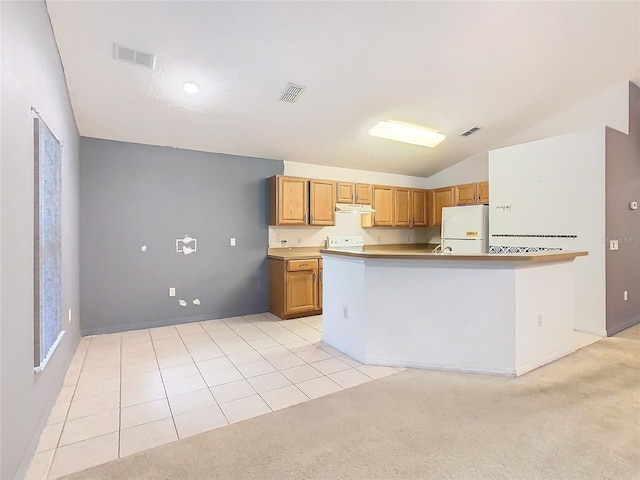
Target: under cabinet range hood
[353,208]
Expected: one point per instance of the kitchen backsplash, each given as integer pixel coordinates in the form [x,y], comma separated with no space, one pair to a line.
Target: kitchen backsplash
[347,224]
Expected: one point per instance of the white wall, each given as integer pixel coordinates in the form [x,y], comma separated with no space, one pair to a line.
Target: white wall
[556,186]
[31,76]
[346,223]
[610,108]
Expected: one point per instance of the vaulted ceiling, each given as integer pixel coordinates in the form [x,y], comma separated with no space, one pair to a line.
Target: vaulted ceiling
[502,66]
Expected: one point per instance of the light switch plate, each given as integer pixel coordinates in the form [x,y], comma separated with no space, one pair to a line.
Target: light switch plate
[613,244]
[232,242]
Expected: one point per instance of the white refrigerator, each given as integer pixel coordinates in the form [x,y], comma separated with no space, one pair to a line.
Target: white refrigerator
[465,229]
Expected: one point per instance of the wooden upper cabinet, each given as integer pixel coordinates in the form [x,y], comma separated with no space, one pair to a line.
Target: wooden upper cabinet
[483,192]
[289,200]
[402,206]
[419,212]
[466,194]
[382,203]
[348,192]
[363,193]
[322,202]
[440,197]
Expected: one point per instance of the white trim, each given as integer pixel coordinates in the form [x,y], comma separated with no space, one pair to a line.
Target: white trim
[40,367]
[550,357]
[399,363]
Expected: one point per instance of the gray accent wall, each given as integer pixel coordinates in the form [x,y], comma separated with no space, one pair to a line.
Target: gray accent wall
[622,223]
[32,75]
[134,196]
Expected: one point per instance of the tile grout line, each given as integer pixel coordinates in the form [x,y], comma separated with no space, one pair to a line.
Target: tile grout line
[280,371]
[120,400]
[64,423]
[153,345]
[201,376]
[237,336]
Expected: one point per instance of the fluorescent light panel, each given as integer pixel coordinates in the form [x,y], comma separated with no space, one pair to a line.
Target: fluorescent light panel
[401,132]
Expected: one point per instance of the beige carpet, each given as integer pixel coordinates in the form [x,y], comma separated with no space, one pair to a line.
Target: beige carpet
[576,418]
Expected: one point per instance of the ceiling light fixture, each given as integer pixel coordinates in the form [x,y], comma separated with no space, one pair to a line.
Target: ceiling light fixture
[402,132]
[191,87]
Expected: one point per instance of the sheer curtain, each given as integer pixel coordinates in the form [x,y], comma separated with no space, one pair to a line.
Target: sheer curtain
[47,243]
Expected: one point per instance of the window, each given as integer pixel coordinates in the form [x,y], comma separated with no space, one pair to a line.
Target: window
[47,239]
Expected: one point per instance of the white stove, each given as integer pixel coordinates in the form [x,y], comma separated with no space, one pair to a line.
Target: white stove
[353,243]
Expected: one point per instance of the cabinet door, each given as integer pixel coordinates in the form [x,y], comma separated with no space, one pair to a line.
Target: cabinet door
[440,197]
[466,194]
[383,205]
[319,305]
[419,217]
[345,192]
[483,192]
[363,193]
[301,291]
[322,203]
[402,203]
[293,201]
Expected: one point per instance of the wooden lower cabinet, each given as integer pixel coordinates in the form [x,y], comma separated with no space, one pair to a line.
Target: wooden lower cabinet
[301,293]
[295,287]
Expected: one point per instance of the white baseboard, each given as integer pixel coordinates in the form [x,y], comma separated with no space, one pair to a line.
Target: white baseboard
[538,362]
[503,372]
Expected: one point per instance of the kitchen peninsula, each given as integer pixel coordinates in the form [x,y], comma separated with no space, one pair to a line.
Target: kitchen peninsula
[499,314]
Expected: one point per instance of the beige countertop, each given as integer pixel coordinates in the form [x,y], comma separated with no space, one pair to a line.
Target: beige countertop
[294,253]
[301,253]
[553,256]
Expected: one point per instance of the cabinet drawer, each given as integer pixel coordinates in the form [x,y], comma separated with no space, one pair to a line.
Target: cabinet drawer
[297,265]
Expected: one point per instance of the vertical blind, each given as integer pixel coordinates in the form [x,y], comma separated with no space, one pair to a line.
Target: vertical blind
[47,242]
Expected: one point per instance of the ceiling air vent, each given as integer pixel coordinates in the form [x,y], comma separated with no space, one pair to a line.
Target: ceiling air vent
[470,131]
[292,92]
[129,55]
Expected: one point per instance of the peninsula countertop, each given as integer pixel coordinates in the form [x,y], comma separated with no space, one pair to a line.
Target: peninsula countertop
[549,256]
[301,253]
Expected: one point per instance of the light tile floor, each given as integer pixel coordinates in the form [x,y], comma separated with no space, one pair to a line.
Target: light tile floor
[128,392]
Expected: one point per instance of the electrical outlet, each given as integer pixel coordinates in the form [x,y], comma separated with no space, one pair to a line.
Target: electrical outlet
[232,242]
[70,317]
[172,292]
[345,311]
[625,295]
[613,244]
[539,320]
